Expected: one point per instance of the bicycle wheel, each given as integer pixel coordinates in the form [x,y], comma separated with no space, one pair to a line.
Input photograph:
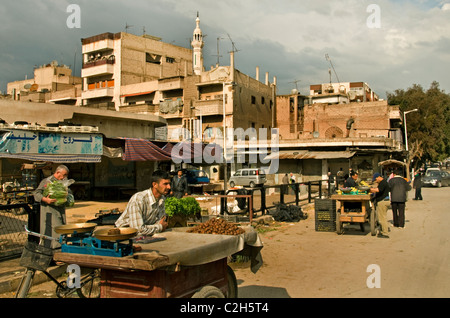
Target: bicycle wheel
[25,283]
[90,285]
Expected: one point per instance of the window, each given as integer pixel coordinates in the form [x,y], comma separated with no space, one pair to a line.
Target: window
[263,101]
[245,173]
[153,58]
[253,100]
[170,60]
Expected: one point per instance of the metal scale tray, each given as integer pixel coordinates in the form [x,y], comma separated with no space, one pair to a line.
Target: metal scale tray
[86,242]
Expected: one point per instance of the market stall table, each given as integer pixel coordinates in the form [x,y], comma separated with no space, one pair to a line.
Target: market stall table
[176,264]
[354,208]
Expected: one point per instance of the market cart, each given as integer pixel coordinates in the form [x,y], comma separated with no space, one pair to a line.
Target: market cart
[174,264]
[355,208]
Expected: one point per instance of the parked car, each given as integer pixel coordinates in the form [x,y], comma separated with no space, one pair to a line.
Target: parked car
[248,177]
[436,178]
[196,177]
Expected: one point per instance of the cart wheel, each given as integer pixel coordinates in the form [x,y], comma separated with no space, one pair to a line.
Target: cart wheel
[338,223]
[373,222]
[232,283]
[209,292]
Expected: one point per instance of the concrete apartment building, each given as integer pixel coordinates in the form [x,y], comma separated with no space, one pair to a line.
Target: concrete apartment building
[52,83]
[142,74]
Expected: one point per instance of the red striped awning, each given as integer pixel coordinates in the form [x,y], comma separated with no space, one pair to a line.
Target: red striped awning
[144,150]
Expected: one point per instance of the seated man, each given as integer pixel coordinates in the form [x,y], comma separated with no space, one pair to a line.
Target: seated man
[145,210]
[351,181]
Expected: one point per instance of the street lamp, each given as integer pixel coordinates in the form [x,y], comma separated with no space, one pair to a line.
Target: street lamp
[404,123]
[225,178]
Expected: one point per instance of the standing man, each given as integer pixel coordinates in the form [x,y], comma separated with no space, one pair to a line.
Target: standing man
[179,185]
[145,210]
[285,183]
[50,214]
[381,203]
[399,188]
[417,184]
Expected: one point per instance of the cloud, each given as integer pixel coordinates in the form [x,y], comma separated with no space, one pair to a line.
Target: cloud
[287,38]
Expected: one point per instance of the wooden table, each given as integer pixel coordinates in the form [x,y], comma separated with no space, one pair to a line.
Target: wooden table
[360,202]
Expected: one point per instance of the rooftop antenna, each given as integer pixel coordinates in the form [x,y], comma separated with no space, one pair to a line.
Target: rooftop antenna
[143,30]
[295,82]
[327,57]
[127,26]
[234,49]
[218,52]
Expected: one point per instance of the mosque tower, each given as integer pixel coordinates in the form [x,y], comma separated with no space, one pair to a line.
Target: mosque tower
[197,45]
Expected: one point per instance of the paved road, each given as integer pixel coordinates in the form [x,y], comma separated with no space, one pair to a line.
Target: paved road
[413,262]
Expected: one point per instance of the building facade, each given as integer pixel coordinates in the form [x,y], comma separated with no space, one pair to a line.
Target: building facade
[52,83]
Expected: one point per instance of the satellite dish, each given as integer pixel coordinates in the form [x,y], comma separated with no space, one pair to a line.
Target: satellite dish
[294,91]
[34,87]
[352,94]
[316,134]
[27,86]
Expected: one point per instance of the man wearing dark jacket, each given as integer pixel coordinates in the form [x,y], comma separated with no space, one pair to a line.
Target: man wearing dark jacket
[381,203]
[179,185]
[399,188]
[417,184]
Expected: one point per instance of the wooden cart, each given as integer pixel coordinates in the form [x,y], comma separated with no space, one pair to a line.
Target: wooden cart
[361,211]
[184,265]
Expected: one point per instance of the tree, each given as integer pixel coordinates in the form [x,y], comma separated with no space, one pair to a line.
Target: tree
[429,127]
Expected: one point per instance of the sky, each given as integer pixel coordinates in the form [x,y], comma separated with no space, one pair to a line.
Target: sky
[389,44]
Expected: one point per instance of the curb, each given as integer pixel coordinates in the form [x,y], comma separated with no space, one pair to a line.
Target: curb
[10,282]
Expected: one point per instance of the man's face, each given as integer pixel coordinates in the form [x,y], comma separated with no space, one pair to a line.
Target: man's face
[355,176]
[180,173]
[162,187]
[61,174]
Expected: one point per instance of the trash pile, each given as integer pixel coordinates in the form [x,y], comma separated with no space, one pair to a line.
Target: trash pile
[288,213]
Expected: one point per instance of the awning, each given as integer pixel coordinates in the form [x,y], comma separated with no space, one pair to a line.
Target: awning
[305,154]
[54,158]
[137,94]
[190,152]
[144,150]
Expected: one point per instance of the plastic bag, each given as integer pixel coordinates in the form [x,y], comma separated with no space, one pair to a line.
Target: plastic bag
[59,190]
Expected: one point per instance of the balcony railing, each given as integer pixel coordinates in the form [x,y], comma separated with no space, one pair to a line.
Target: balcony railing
[99,62]
[209,107]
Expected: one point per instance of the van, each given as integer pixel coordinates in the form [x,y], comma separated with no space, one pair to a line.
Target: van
[248,177]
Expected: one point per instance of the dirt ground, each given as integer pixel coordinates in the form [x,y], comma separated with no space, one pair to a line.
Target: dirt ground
[301,262]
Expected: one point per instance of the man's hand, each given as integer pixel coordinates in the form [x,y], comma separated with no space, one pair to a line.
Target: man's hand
[163,223]
[48,200]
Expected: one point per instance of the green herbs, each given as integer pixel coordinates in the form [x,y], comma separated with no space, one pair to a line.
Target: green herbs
[185,206]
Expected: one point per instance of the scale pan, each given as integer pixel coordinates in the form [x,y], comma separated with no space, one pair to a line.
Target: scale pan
[78,227]
[112,234]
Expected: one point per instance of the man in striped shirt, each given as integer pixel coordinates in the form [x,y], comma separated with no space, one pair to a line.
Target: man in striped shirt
[145,210]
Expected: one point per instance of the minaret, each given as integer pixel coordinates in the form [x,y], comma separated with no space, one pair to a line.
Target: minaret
[197,44]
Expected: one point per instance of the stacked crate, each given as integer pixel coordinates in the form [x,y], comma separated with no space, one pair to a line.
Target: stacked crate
[325,213]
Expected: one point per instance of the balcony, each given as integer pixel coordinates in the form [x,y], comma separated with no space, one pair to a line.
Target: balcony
[209,107]
[98,93]
[99,67]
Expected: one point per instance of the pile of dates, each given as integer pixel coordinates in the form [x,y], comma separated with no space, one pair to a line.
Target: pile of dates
[217,226]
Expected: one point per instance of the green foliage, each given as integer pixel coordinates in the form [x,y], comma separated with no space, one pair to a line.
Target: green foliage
[429,127]
[187,206]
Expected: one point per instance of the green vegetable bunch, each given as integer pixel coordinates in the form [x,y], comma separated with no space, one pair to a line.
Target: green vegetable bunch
[57,190]
[185,206]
